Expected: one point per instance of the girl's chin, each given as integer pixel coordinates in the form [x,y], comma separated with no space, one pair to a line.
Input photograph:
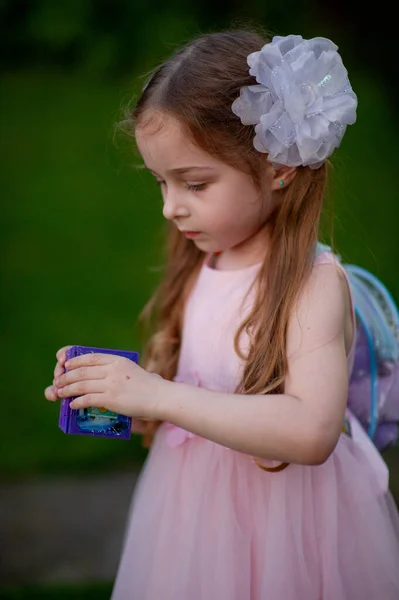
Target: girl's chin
[205,245]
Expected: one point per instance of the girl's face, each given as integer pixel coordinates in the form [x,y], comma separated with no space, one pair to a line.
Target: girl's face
[210,202]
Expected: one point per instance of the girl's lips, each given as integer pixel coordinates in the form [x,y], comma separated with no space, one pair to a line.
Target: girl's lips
[191,234]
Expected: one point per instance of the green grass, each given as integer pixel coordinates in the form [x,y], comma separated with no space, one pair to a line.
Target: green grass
[81,234]
[87,592]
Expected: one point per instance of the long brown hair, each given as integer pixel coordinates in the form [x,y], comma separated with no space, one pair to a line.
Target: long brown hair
[198,85]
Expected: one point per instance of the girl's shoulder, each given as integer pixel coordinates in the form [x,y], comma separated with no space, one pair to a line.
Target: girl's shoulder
[327,291]
[326,302]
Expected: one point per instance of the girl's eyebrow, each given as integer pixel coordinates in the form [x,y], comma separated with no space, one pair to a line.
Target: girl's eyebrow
[181,170]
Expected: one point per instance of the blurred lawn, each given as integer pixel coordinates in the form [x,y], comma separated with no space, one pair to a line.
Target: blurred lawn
[82,231]
[93,592]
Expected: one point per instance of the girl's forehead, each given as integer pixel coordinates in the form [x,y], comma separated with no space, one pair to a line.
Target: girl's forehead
[154,121]
[163,140]
[158,128]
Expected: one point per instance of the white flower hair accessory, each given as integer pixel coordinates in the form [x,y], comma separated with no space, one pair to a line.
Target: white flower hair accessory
[302,103]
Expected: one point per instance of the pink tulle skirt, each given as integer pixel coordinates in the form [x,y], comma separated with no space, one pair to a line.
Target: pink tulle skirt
[207,524]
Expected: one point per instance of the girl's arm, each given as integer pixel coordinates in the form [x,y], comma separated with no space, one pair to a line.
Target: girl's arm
[303,424]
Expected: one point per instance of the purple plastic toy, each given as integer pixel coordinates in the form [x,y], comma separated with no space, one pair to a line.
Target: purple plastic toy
[98,422]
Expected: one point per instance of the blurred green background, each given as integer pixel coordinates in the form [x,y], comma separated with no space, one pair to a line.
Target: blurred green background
[81,227]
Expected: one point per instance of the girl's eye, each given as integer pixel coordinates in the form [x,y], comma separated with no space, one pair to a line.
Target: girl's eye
[196,187]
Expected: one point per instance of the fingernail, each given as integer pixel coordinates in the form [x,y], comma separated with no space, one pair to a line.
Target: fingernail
[59,392]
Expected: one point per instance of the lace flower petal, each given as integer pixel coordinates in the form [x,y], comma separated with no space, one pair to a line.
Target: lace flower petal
[302,102]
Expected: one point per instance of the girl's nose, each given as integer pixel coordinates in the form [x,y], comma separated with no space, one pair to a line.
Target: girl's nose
[173,207]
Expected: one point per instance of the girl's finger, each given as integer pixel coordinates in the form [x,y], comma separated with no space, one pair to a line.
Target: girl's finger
[80,374]
[94,386]
[91,359]
[61,354]
[59,370]
[61,359]
[50,393]
[93,400]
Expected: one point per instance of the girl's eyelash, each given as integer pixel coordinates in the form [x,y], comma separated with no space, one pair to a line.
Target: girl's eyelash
[193,187]
[196,188]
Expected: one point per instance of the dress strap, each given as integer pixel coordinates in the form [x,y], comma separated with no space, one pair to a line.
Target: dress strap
[325,257]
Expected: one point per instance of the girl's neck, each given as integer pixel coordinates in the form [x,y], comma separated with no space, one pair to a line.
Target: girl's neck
[251,252]
[218,262]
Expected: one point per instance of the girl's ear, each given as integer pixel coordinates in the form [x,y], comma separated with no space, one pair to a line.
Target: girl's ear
[283,177]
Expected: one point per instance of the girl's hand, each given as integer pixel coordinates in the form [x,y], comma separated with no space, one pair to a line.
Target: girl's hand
[112,382]
[51,391]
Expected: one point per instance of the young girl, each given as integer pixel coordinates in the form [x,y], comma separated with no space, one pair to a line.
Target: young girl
[251,490]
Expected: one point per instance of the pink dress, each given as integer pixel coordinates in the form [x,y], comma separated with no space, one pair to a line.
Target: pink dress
[207,524]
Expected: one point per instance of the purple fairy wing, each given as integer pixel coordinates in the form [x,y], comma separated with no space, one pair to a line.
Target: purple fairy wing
[374,384]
